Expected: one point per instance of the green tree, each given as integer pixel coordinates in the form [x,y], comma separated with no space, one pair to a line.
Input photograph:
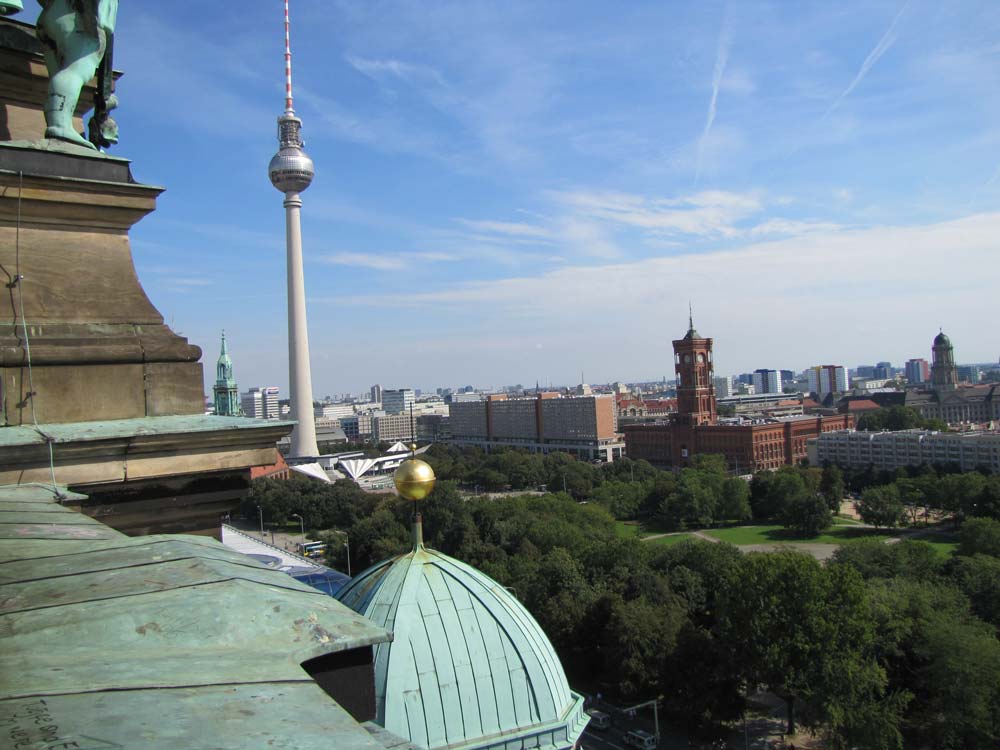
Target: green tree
[881,506]
[873,558]
[798,628]
[807,514]
[734,503]
[978,577]
[980,536]
[832,487]
[947,661]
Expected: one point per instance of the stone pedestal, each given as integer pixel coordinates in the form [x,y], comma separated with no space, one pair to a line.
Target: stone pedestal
[99,349]
[96,392]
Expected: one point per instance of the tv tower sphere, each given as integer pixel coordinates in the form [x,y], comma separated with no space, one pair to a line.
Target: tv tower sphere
[290,170]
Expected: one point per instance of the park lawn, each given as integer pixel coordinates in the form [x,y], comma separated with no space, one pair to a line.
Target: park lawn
[630,529]
[944,549]
[775,534]
[667,541]
[844,521]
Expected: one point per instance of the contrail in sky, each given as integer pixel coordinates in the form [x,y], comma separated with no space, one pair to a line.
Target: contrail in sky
[873,57]
[721,58]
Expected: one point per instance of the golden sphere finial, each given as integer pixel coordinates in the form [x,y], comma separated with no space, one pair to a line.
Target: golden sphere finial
[414,479]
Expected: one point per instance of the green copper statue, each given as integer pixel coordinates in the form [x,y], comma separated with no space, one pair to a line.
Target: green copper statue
[78,36]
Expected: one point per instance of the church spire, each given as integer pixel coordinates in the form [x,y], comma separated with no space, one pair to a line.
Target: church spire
[227,394]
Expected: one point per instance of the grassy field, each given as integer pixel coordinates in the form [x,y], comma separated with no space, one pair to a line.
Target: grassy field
[631,529]
[666,541]
[774,534]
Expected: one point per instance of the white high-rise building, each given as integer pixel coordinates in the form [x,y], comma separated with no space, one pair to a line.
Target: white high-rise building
[261,402]
[723,386]
[397,401]
[827,379]
[767,381]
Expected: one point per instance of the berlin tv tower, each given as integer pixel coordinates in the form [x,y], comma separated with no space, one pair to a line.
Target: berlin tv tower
[291,172]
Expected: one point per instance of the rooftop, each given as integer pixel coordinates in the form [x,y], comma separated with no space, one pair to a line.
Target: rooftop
[107,638]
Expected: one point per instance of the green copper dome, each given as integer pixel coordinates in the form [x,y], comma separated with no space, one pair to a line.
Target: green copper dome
[468,667]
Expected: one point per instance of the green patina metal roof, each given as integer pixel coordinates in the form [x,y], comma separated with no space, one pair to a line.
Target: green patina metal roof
[160,641]
[111,429]
[468,667]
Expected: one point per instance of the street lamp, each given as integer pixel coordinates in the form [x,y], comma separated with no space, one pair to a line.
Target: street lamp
[261,511]
[302,524]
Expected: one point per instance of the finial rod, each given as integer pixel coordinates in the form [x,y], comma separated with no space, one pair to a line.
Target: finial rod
[690,317]
[288,65]
[417,530]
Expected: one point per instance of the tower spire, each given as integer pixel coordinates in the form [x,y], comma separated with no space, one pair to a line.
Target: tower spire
[289,109]
[291,171]
[690,317]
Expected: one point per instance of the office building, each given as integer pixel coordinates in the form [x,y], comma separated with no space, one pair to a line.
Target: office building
[766,381]
[969,374]
[917,371]
[883,370]
[723,386]
[397,401]
[261,403]
[390,428]
[357,427]
[826,379]
[888,451]
[333,411]
[582,425]
[376,393]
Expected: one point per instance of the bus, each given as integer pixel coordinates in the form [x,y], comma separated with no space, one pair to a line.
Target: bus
[312,549]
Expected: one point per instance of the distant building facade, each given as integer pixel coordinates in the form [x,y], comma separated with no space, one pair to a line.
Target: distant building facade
[398,401]
[261,403]
[748,445]
[225,390]
[357,427]
[767,381]
[390,428]
[967,451]
[917,371]
[948,401]
[585,426]
[723,386]
[826,379]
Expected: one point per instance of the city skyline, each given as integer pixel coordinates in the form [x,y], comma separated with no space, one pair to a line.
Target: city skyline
[522,193]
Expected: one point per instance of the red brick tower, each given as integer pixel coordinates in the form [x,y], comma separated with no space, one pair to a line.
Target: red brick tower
[695,390]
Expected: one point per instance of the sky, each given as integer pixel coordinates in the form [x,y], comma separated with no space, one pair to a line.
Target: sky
[521,191]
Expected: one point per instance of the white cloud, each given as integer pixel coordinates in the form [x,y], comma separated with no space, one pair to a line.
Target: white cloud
[388,67]
[508,228]
[712,213]
[364,260]
[791,227]
[886,285]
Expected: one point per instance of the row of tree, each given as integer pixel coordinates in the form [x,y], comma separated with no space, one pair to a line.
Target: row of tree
[888,646]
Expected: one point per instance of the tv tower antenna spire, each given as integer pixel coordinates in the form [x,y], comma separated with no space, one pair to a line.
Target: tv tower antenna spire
[289,109]
[291,171]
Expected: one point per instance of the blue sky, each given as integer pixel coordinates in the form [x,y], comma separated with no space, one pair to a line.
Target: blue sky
[521,191]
